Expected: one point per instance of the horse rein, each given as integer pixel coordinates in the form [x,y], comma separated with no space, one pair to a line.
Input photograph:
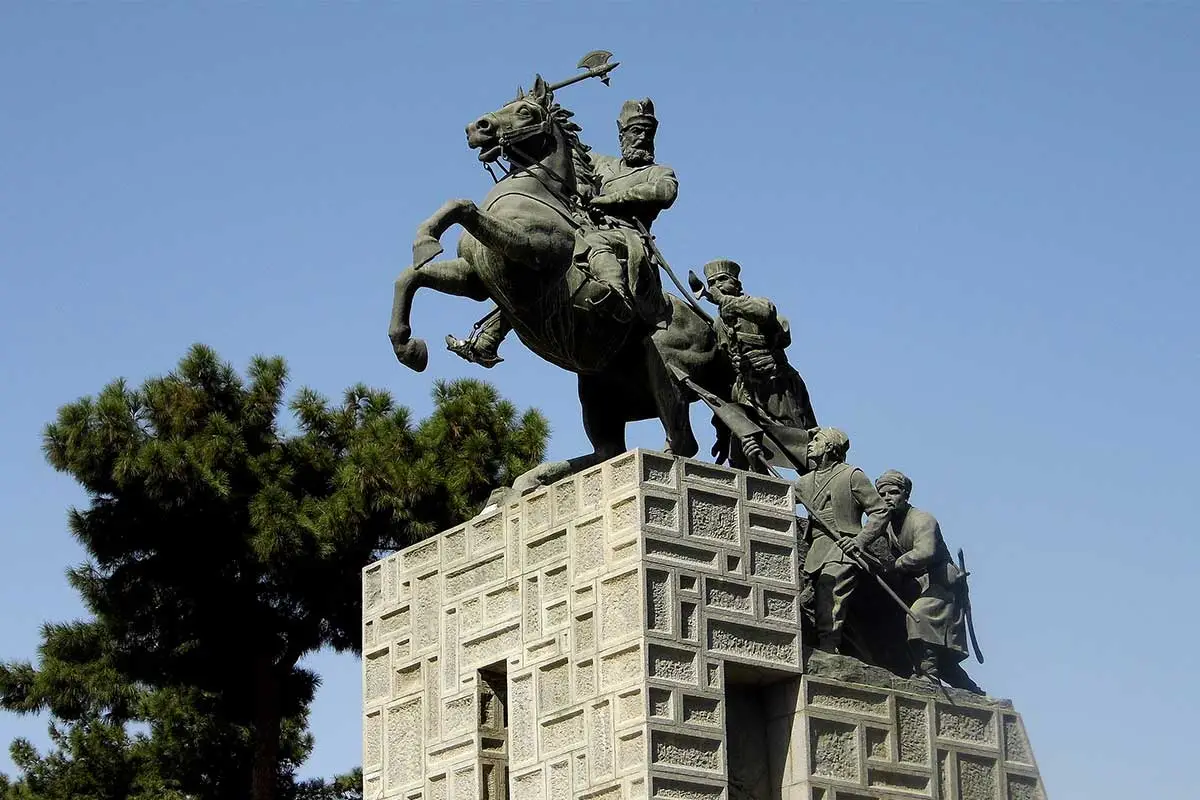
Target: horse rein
[508,146]
[529,171]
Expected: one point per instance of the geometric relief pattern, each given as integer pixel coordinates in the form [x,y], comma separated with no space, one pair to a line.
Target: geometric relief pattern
[721,570]
[883,742]
[505,658]
[585,641]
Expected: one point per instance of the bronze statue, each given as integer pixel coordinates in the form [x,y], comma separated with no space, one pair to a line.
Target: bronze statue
[561,246]
[754,335]
[838,494]
[517,250]
[624,196]
[928,579]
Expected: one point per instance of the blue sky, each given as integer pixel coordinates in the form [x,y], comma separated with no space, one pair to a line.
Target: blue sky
[980,219]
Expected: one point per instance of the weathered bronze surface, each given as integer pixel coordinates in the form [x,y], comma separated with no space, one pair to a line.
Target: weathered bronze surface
[930,581]
[535,248]
[561,246]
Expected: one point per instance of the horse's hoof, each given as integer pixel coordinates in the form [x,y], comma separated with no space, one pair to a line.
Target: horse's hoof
[425,249]
[499,498]
[413,354]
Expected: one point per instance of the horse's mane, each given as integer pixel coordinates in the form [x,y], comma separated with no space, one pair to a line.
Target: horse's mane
[585,174]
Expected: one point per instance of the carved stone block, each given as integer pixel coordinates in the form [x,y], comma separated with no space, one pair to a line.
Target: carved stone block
[633,633]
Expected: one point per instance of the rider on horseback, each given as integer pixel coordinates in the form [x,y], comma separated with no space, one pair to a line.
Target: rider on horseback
[631,192]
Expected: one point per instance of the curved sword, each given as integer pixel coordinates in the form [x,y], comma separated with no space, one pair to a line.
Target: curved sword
[966,601]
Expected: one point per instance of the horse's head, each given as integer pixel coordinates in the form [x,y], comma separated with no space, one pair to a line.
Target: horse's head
[521,131]
[528,130]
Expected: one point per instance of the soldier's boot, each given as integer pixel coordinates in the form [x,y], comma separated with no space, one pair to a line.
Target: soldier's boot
[939,666]
[929,664]
[954,675]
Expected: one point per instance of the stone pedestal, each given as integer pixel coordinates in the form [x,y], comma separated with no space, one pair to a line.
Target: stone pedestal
[633,632]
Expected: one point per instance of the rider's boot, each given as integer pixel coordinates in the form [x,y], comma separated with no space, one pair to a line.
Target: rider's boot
[607,269]
[482,345]
[471,351]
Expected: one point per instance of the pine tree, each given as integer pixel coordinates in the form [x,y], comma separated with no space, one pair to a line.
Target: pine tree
[342,787]
[224,547]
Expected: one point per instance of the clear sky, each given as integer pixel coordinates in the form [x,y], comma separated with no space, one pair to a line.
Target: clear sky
[980,218]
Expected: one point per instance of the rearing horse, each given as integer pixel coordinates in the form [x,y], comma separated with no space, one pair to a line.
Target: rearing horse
[517,250]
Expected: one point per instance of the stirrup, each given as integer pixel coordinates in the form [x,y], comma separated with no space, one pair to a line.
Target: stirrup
[466,351]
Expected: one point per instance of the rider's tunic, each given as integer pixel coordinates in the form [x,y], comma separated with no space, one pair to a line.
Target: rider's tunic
[643,191]
[637,193]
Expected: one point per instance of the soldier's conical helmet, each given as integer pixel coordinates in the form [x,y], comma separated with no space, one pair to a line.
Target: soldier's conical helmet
[722,266]
[637,111]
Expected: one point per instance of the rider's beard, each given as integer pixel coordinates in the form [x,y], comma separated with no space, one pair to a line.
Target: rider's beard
[637,156]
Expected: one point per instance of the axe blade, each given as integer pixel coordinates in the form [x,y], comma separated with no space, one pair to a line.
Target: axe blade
[596,58]
[595,65]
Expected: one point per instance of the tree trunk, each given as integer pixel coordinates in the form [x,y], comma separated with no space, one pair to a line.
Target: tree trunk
[267,726]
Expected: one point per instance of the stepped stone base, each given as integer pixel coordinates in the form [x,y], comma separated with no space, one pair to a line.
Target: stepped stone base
[633,632]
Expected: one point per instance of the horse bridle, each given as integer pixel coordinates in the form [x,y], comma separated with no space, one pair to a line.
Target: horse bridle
[524,132]
[508,141]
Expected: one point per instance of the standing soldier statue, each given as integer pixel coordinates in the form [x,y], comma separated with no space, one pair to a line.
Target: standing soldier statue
[837,495]
[754,335]
[931,584]
[628,195]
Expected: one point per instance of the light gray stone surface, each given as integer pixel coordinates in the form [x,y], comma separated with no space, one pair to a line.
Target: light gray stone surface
[631,633]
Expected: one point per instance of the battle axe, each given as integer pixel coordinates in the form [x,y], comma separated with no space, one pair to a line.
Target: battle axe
[596,65]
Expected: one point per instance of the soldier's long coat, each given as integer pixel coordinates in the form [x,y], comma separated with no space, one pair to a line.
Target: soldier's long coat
[930,582]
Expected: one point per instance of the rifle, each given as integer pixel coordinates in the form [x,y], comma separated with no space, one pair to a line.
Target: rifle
[741,425]
[864,561]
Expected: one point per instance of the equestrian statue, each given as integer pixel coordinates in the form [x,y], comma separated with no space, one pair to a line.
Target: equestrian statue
[531,248]
[561,246]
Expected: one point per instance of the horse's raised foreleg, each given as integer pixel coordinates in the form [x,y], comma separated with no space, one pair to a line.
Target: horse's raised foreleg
[533,238]
[426,245]
[533,241]
[453,276]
